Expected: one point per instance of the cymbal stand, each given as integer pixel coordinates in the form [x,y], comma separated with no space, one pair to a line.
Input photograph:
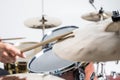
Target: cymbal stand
[43,24]
[116,18]
[102,74]
[101,11]
[97,64]
[43,18]
[91,2]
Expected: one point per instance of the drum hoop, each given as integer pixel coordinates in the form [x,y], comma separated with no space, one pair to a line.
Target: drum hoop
[59,29]
[71,67]
[62,70]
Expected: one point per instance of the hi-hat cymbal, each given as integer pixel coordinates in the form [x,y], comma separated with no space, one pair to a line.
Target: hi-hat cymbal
[91,43]
[37,23]
[95,16]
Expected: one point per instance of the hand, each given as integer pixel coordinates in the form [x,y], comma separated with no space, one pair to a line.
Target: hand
[8,53]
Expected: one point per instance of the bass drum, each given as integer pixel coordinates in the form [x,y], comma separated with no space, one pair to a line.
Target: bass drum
[47,62]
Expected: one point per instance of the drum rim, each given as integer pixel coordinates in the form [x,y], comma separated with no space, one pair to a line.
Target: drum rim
[72,64]
[59,69]
[59,29]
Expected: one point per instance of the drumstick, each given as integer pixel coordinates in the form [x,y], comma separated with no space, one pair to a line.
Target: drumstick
[45,42]
[12,38]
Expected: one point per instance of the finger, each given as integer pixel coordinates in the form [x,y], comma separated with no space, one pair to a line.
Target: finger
[14,51]
[23,55]
[8,58]
[3,60]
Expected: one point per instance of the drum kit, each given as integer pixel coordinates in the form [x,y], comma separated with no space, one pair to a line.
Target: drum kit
[67,51]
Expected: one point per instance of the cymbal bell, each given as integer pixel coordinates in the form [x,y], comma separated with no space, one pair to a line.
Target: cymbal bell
[91,43]
[113,27]
[37,23]
[96,16]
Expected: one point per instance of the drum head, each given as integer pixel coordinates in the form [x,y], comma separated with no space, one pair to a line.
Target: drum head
[46,61]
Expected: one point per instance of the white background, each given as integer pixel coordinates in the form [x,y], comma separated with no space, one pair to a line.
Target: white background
[13,13]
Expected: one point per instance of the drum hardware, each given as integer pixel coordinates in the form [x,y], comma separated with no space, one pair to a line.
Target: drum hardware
[91,2]
[117,62]
[102,73]
[115,25]
[113,74]
[18,67]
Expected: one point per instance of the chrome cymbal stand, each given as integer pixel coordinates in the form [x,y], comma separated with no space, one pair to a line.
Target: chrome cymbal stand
[43,18]
[91,2]
[102,74]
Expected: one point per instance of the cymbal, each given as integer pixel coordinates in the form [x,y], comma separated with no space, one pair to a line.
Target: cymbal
[91,43]
[113,27]
[95,16]
[37,22]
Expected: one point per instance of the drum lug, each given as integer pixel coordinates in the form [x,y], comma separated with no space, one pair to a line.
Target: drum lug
[58,72]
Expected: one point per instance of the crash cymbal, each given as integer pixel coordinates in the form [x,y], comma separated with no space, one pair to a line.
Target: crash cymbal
[96,16]
[91,43]
[113,27]
[37,22]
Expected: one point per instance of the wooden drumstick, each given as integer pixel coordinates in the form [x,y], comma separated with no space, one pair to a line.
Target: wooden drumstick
[45,42]
[12,38]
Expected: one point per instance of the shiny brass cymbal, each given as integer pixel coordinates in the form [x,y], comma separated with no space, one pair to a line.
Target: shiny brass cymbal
[91,43]
[96,16]
[113,27]
[38,22]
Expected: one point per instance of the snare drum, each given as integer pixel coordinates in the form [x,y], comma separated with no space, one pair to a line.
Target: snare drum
[57,32]
[20,66]
[47,62]
[30,76]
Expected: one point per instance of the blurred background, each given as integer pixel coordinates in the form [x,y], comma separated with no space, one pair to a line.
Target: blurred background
[13,13]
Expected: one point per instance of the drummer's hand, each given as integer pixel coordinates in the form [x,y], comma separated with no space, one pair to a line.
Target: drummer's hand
[11,78]
[8,53]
